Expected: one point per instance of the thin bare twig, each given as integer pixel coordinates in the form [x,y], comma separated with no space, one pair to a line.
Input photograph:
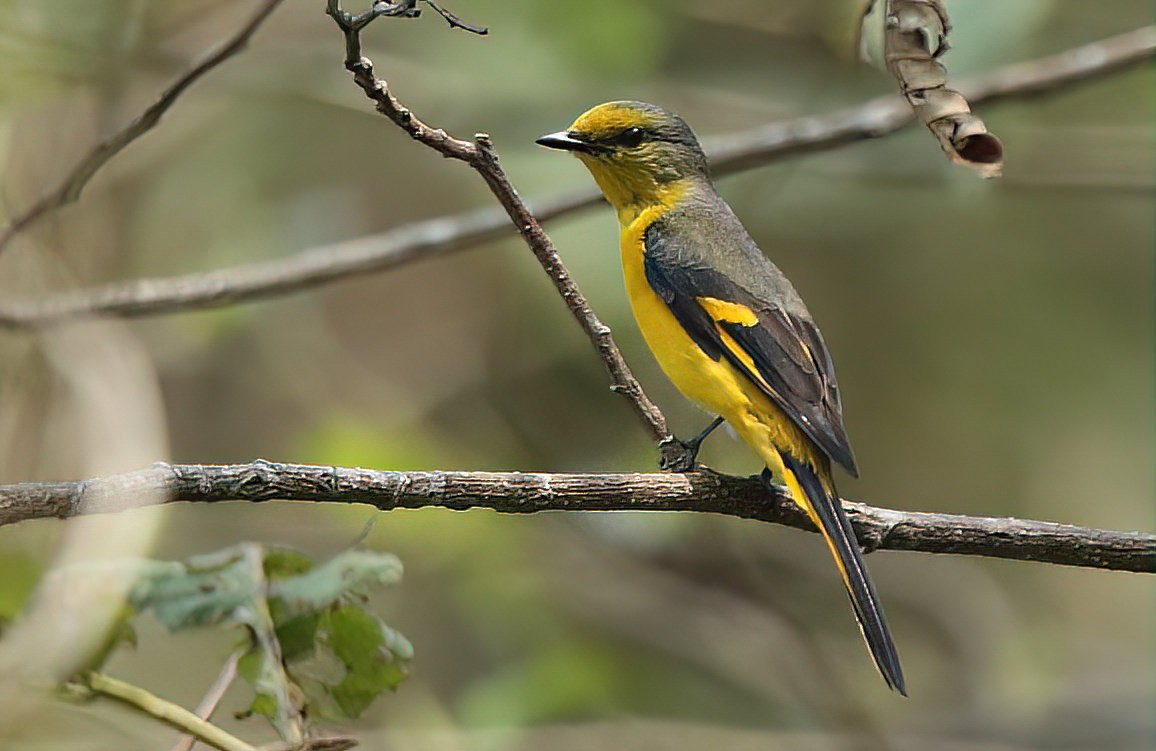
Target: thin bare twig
[732,153]
[212,698]
[455,22]
[520,493]
[480,155]
[69,190]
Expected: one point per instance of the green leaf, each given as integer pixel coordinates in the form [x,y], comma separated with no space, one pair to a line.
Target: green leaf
[352,572]
[282,563]
[263,704]
[312,644]
[249,666]
[376,657]
[181,596]
[298,636]
[352,634]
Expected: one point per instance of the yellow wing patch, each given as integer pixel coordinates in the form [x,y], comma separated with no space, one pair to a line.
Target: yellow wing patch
[724,311]
[728,312]
[750,370]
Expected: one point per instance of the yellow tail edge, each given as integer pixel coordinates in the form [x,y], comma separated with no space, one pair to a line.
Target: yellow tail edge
[818,499]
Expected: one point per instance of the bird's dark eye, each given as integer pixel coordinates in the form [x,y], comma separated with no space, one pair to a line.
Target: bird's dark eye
[630,137]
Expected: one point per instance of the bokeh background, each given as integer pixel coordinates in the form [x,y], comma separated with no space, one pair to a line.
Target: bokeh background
[994,342]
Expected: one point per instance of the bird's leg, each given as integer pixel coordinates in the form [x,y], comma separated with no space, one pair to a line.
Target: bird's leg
[681,456]
[694,443]
[778,490]
[780,493]
[768,479]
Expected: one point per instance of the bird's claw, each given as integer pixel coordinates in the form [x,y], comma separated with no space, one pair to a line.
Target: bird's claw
[677,456]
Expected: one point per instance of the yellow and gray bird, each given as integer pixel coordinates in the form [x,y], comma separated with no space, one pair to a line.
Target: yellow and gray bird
[726,325]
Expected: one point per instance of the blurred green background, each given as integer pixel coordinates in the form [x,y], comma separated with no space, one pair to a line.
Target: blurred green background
[994,342]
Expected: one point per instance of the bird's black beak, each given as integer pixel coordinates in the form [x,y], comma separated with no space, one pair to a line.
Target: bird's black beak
[562,140]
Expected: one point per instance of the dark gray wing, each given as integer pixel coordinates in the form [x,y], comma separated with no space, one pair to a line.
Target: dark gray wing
[782,352]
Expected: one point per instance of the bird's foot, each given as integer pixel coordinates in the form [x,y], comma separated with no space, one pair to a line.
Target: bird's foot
[682,456]
[677,456]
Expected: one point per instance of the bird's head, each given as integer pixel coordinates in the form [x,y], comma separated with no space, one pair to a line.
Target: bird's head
[639,154]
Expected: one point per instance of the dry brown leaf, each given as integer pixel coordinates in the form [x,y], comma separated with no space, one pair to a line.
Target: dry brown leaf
[907,37]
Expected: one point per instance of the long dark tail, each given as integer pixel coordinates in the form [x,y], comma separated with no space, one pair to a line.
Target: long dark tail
[827,513]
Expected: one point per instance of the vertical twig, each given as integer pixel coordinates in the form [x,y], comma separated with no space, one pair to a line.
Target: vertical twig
[480,155]
[212,698]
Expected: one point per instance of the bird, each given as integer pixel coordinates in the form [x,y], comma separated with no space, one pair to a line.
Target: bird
[727,326]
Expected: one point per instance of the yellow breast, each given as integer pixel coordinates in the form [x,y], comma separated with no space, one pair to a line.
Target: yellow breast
[701,379]
[714,385]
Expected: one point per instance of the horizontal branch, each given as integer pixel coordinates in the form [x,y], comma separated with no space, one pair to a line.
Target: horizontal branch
[526,492]
[732,153]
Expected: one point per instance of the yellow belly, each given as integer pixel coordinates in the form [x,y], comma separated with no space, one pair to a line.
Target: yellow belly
[716,386]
